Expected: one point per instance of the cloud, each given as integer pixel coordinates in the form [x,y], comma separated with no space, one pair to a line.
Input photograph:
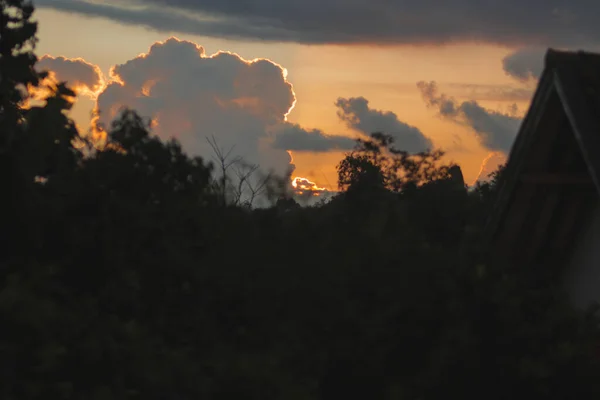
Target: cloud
[495,130]
[192,96]
[357,115]
[84,78]
[294,137]
[510,22]
[525,64]
[80,75]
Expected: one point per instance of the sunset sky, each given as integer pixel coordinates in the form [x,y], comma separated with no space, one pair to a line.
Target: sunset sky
[456,75]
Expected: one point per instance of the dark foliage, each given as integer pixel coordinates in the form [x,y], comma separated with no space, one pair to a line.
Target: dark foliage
[124,274]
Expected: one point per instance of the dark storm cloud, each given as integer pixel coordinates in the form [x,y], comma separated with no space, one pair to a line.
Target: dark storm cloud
[357,115]
[509,22]
[296,138]
[495,130]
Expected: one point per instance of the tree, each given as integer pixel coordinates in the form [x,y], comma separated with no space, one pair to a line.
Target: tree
[488,190]
[17,73]
[247,183]
[17,39]
[34,141]
[251,183]
[376,164]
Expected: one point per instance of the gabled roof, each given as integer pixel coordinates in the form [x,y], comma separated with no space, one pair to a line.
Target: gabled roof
[552,177]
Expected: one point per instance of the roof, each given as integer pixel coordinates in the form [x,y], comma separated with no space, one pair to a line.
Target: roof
[552,178]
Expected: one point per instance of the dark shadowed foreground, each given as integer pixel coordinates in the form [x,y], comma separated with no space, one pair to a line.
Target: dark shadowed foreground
[126,274]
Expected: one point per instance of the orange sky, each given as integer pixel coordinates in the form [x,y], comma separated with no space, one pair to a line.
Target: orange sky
[386,76]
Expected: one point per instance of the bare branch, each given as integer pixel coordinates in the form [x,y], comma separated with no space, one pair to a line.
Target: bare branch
[224,162]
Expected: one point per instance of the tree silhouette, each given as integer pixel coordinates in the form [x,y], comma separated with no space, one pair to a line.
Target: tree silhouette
[17,41]
[376,164]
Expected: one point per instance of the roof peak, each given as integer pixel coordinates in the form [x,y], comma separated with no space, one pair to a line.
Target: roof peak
[554,57]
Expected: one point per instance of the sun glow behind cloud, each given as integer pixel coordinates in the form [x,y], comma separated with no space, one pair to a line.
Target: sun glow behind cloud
[303,185]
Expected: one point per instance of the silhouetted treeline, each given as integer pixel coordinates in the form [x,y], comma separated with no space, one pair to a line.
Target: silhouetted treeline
[124,274]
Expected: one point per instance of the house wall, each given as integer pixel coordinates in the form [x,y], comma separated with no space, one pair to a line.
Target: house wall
[582,275]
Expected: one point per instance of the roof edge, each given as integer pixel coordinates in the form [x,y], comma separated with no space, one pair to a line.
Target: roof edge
[515,160]
[584,126]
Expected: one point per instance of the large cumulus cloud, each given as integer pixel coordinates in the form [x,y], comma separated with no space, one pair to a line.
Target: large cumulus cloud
[495,130]
[192,96]
[358,115]
[509,22]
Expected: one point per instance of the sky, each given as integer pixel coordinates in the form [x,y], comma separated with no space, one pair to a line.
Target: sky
[296,82]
